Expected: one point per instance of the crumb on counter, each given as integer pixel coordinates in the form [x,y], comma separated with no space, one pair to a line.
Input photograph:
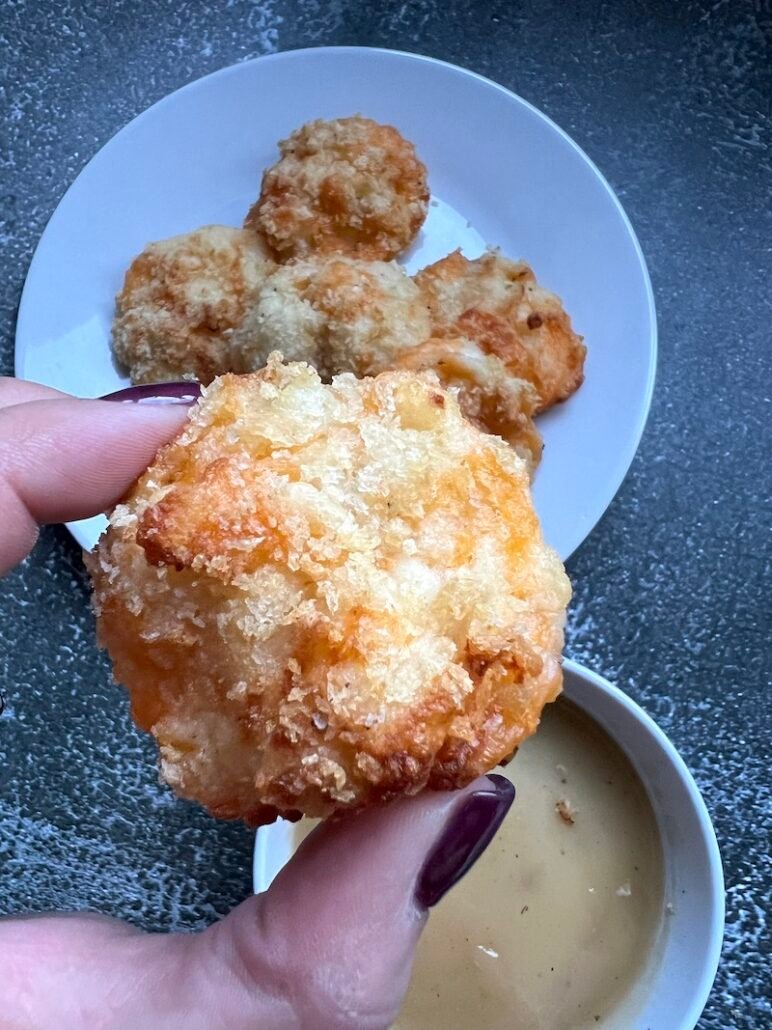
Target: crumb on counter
[565,811]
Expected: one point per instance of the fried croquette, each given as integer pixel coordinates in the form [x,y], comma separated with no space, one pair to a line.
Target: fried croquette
[488,394]
[337,313]
[321,597]
[346,186]
[181,299]
[498,304]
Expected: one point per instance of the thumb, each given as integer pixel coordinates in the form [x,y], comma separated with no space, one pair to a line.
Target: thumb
[328,947]
[334,936]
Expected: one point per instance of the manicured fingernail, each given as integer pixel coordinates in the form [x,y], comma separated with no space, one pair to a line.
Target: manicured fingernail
[157,393]
[470,830]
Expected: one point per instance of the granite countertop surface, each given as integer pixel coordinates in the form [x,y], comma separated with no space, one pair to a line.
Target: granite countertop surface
[672,101]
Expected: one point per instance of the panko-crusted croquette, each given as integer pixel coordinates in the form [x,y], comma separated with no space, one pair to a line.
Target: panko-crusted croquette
[324,596]
[498,304]
[346,186]
[181,299]
[487,392]
[337,313]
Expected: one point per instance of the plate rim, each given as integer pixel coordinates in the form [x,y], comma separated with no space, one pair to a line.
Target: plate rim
[624,459]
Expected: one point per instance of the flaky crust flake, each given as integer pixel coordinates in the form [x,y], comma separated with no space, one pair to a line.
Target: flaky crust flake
[323,597]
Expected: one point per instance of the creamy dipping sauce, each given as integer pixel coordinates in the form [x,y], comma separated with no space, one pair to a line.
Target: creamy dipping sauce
[555,924]
[554,927]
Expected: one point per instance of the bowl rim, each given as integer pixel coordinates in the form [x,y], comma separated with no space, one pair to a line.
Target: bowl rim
[597,697]
[604,697]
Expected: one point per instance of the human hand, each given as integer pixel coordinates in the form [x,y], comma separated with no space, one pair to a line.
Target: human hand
[331,943]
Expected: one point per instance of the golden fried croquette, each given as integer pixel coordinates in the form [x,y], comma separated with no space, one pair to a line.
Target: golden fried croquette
[487,392]
[498,304]
[339,314]
[324,596]
[181,299]
[346,186]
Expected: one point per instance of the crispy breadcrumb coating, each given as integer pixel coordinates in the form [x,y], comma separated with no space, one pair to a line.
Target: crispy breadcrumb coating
[487,392]
[498,304]
[324,596]
[181,299]
[346,186]
[339,314]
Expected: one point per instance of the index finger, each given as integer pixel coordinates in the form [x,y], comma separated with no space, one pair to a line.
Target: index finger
[64,459]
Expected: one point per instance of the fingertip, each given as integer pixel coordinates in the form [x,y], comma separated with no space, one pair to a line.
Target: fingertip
[470,828]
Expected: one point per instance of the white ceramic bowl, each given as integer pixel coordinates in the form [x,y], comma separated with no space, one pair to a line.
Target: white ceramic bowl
[677,981]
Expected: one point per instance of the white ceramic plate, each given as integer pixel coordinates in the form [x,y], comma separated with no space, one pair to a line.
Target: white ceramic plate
[501,173]
[673,991]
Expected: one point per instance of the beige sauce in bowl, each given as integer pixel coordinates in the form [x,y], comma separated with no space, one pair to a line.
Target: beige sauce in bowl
[555,927]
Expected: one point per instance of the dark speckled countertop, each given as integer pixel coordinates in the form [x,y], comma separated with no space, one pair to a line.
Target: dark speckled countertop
[672,101]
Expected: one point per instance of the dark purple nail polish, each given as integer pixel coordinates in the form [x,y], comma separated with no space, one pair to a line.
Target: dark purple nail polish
[157,393]
[470,830]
